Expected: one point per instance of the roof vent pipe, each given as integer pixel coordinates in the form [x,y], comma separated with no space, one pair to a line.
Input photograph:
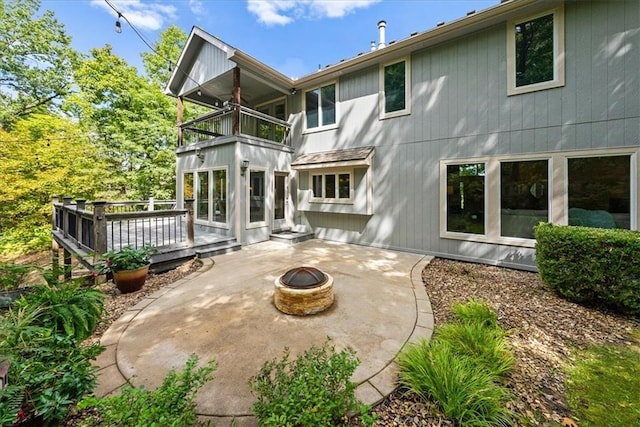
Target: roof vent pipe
[382,25]
[373,45]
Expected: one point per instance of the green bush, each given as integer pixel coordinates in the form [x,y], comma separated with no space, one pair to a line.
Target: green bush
[312,390]
[49,371]
[67,308]
[12,275]
[24,240]
[462,367]
[171,404]
[41,338]
[590,265]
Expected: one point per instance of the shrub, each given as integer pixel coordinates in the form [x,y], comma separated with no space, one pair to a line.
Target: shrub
[41,337]
[171,404]
[67,308]
[26,239]
[312,390]
[591,265]
[461,368]
[466,394]
[49,370]
[11,275]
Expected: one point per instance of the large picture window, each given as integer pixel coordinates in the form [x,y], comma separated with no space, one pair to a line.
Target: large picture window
[524,197]
[320,107]
[395,83]
[466,198]
[599,191]
[535,53]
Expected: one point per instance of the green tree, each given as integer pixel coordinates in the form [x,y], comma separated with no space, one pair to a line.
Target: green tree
[36,60]
[42,156]
[159,64]
[133,122]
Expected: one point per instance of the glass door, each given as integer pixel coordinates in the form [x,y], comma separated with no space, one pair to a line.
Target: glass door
[280,200]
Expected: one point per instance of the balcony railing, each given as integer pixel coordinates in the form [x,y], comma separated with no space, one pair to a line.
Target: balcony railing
[97,227]
[234,120]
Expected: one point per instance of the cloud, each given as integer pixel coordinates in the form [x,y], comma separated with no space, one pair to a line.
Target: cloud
[282,12]
[196,7]
[145,16]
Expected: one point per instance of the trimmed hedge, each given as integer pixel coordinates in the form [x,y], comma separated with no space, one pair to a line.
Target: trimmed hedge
[591,265]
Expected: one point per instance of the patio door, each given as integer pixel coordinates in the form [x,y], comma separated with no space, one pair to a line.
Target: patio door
[280,200]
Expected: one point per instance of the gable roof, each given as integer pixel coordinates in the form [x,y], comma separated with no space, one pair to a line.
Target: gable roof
[350,156]
[474,21]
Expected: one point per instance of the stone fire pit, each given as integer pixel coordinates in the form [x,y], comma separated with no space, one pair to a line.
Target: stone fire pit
[303,291]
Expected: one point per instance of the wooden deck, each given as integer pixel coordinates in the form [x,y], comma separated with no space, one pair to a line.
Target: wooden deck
[87,230]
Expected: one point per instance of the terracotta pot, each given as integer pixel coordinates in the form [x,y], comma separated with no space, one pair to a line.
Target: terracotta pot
[131,280]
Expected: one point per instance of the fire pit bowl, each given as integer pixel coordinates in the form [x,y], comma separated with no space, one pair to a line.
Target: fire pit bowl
[303,291]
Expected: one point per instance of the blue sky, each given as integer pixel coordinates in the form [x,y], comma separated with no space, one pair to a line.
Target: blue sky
[292,36]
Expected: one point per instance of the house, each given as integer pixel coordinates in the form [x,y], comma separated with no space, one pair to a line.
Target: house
[453,142]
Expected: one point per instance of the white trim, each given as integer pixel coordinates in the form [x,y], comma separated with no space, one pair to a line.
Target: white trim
[320,127]
[336,173]
[382,114]
[264,222]
[210,204]
[287,201]
[558,53]
[558,190]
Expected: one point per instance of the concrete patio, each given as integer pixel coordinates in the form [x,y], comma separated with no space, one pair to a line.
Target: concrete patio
[225,311]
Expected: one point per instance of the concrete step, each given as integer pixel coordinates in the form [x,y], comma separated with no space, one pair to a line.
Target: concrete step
[291,236]
[209,251]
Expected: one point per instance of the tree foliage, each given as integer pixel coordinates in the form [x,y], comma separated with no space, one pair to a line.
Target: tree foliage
[35,62]
[131,120]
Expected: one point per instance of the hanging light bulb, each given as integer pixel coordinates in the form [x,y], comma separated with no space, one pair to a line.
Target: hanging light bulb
[199,92]
[118,24]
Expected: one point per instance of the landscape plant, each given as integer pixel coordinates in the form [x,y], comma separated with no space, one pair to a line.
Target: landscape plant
[314,389]
[171,404]
[127,258]
[12,275]
[462,367]
[41,337]
[591,266]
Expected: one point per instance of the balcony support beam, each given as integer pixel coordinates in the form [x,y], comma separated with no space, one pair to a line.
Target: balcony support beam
[236,101]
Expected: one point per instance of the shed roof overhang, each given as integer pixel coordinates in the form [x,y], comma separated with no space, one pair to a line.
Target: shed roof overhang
[350,157]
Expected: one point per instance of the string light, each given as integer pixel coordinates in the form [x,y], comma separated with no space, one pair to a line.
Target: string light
[118,24]
[135,30]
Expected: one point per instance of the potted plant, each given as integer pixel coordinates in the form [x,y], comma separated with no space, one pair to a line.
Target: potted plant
[129,266]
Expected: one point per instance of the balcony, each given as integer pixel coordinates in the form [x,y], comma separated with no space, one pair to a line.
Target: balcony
[234,120]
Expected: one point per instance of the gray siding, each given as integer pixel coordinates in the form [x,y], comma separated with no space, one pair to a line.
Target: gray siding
[460,109]
[210,62]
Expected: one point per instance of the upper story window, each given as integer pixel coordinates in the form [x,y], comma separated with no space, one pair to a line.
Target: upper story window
[320,107]
[395,81]
[535,52]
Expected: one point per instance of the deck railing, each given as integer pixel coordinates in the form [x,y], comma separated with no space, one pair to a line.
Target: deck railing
[99,226]
[224,122]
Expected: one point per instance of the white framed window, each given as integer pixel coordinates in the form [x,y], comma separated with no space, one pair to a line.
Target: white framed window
[331,187]
[395,88]
[594,188]
[466,200]
[535,52]
[321,107]
[256,197]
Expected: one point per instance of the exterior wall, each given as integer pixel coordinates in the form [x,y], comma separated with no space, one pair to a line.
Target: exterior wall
[460,110]
[210,62]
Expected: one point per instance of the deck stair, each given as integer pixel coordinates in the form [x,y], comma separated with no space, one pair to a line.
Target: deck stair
[291,236]
[205,247]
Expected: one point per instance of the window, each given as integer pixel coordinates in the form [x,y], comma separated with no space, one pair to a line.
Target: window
[332,186]
[256,196]
[599,191]
[395,83]
[187,186]
[535,52]
[320,107]
[220,196]
[202,202]
[524,197]
[466,198]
